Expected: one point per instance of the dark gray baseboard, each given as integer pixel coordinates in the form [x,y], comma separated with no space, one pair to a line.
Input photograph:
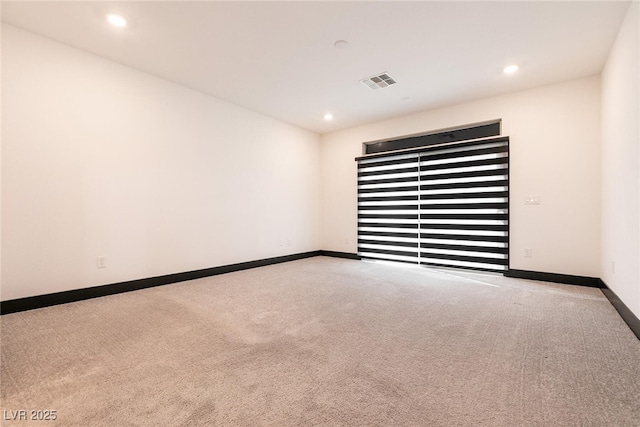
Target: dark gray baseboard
[40,301]
[335,254]
[627,315]
[566,279]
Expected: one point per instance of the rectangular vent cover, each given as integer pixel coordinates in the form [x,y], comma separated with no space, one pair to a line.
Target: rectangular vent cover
[379,81]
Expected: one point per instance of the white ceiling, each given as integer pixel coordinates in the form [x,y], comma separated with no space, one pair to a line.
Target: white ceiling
[279,59]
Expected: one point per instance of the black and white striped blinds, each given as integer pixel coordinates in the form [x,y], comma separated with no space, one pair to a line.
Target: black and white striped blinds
[445,205]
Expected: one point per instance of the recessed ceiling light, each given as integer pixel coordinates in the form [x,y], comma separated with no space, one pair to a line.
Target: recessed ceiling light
[117,20]
[328,116]
[510,69]
[341,44]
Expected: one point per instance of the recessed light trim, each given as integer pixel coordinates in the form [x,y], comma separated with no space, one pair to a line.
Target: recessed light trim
[328,117]
[117,20]
[510,69]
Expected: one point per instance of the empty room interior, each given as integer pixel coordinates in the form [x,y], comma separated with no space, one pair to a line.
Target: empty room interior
[320,213]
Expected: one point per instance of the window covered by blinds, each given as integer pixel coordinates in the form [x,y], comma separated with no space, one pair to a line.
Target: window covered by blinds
[443,205]
[388,207]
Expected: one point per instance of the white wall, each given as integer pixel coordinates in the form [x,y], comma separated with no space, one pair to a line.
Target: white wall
[99,159]
[555,149]
[0,157]
[620,164]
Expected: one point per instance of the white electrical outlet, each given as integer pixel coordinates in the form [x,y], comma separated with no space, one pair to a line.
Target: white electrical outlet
[101,262]
[528,253]
[532,200]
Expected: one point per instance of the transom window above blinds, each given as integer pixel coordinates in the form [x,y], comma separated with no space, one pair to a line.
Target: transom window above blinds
[445,205]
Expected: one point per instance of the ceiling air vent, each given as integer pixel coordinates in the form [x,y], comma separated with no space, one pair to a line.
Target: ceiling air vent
[379,81]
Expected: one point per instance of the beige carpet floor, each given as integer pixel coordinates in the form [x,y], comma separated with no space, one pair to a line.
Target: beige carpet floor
[327,342]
